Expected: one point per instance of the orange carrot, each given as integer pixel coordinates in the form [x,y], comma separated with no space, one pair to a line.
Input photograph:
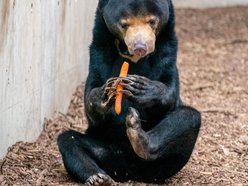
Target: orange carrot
[123,73]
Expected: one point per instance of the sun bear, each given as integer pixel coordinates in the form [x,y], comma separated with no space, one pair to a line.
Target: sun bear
[153,137]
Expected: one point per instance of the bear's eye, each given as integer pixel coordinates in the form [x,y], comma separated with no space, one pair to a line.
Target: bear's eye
[124,25]
[152,22]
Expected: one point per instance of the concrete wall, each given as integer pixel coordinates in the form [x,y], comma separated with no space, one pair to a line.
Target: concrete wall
[43,57]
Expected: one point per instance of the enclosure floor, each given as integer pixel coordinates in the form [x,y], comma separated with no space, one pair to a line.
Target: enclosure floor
[213,64]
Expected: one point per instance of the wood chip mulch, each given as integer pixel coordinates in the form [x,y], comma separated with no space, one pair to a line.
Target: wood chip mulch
[213,64]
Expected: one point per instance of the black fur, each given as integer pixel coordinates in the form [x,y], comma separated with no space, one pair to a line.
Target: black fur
[170,127]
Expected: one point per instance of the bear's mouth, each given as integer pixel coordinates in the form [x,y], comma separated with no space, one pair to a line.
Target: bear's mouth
[122,48]
[124,52]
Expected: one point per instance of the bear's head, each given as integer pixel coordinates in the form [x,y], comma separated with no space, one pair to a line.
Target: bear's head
[135,24]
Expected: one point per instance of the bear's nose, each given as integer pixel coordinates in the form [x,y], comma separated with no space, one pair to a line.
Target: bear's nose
[140,50]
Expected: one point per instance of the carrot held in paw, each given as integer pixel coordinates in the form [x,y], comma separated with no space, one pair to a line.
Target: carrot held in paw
[123,73]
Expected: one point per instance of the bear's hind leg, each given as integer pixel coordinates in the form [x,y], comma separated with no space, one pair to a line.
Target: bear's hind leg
[79,155]
[170,142]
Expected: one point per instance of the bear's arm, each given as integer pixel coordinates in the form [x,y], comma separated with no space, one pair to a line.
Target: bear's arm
[94,88]
[170,97]
[93,100]
[169,76]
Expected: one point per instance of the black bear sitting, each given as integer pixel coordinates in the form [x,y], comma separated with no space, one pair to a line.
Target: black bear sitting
[155,134]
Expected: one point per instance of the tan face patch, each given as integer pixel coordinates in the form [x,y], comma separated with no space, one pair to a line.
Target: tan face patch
[139,34]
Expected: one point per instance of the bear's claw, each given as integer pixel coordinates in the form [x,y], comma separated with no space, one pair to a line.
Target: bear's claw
[99,180]
[133,119]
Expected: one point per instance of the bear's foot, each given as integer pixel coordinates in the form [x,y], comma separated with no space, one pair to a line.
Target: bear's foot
[137,136]
[99,180]
[133,119]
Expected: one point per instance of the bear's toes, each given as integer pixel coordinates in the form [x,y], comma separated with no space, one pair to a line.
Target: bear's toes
[99,180]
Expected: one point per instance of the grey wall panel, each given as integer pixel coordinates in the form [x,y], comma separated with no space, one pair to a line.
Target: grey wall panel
[43,57]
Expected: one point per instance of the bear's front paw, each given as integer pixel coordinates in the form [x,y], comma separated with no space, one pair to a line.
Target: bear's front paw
[133,119]
[99,180]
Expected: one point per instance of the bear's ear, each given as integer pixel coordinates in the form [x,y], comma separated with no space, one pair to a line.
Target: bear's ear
[102,4]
